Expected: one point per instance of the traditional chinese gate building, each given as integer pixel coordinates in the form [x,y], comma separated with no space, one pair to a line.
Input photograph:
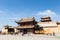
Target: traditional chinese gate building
[26,25]
[48,25]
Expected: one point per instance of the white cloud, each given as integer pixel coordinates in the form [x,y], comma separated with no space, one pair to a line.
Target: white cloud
[47,13]
[50,13]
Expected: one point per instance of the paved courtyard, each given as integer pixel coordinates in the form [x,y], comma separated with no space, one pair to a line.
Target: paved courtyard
[30,37]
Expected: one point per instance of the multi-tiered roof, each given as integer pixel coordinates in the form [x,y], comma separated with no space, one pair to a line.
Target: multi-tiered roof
[26,23]
[45,19]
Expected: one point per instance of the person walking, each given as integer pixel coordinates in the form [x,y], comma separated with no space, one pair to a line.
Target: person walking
[53,34]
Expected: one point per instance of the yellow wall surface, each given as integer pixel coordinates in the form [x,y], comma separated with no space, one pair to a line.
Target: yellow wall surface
[50,27]
[48,30]
[51,30]
[4,31]
[59,28]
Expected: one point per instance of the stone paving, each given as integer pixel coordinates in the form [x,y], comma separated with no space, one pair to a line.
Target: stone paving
[30,37]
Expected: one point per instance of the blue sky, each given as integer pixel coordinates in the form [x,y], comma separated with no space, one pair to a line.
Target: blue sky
[11,10]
